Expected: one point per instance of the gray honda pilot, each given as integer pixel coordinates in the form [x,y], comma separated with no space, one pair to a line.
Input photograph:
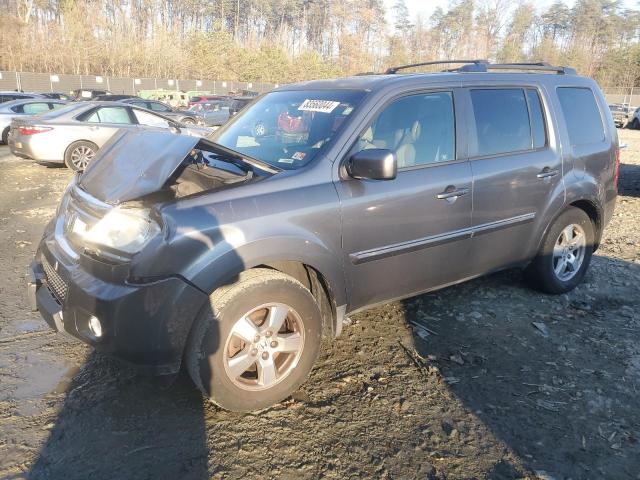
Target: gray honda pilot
[234,256]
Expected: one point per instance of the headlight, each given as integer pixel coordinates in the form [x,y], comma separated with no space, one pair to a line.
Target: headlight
[124,229]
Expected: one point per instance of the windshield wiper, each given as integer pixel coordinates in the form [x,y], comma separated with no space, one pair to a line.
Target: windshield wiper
[228,152]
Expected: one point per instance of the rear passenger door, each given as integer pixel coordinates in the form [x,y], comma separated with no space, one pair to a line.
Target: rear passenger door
[104,121]
[517,173]
[407,235]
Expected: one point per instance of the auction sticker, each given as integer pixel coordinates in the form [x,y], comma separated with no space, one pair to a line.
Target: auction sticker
[323,106]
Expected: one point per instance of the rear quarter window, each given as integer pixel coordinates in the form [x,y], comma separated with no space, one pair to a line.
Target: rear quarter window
[581,115]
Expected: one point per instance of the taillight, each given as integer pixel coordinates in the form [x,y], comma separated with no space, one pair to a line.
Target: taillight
[616,173]
[33,130]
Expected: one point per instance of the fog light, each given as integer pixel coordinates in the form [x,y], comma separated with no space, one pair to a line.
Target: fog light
[95,326]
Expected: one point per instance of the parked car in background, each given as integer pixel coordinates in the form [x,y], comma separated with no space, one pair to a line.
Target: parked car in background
[634,121]
[620,114]
[16,108]
[218,112]
[8,96]
[73,134]
[235,256]
[114,97]
[86,94]
[56,95]
[194,99]
[214,113]
[183,116]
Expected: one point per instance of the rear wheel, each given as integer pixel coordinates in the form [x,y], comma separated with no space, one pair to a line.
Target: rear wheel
[79,155]
[565,253]
[635,124]
[5,136]
[255,342]
[189,121]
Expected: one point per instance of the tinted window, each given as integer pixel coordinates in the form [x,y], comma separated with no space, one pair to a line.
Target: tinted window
[110,115]
[419,129]
[35,108]
[537,119]
[159,107]
[502,121]
[148,118]
[581,115]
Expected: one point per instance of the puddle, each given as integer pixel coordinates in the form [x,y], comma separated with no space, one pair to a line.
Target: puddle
[28,377]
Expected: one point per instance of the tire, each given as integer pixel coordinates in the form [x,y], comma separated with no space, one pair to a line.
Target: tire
[635,124]
[5,136]
[546,272]
[216,353]
[79,154]
[189,121]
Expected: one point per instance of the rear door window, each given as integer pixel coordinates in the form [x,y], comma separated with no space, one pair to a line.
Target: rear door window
[159,107]
[110,115]
[502,121]
[581,115]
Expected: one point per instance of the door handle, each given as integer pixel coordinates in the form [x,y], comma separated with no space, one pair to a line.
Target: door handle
[451,192]
[547,172]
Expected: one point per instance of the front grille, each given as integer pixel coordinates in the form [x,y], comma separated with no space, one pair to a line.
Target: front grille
[54,282]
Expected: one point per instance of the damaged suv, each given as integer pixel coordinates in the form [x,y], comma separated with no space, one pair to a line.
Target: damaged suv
[234,256]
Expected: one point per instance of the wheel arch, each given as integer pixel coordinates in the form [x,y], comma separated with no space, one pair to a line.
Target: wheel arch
[311,263]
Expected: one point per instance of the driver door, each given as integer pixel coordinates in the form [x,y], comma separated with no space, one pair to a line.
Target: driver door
[410,234]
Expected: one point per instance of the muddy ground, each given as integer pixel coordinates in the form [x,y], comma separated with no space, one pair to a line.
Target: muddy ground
[483,393]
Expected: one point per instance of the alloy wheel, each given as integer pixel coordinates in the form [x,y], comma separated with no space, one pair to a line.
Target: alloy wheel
[264,346]
[81,156]
[568,252]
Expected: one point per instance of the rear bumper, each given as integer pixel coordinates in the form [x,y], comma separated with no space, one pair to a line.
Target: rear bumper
[144,325]
[33,148]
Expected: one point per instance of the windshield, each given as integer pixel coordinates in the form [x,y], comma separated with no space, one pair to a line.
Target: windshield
[287,129]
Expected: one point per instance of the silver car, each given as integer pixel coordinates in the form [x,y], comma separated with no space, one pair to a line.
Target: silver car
[73,134]
[16,108]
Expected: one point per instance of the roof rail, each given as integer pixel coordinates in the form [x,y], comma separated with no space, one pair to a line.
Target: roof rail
[535,66]
[470,63]
[484,66]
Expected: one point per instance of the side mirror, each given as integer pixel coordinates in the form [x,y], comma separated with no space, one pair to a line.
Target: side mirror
[373,164]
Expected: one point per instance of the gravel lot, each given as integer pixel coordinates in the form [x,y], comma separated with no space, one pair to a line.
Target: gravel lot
[483,380]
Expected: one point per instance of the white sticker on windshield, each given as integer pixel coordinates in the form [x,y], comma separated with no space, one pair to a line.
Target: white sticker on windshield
[323,106]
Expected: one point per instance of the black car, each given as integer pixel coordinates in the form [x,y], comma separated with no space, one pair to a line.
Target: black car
[85,94]
[56,95]
[182,116]
[9,96]
[112,97]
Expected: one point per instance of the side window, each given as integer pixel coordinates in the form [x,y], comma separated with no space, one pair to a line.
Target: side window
[35,108]
[502,121]
[147,118]
[581,115]
[159,107]
[537,119]
[419,129]
[110,115]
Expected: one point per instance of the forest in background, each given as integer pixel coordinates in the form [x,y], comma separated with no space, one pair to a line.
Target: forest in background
[289,40]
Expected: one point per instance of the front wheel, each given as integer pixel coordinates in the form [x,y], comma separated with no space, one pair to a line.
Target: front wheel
[189,121]
[5,136]
[565,254]
[635,124]
[255,342]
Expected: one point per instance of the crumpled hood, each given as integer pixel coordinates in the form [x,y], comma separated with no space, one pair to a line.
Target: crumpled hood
[135,163]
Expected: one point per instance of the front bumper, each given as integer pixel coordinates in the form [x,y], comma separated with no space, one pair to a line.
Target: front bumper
[145,325]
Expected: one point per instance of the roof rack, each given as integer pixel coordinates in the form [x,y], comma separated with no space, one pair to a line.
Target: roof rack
[484,66]
[436,62]
[535,66]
